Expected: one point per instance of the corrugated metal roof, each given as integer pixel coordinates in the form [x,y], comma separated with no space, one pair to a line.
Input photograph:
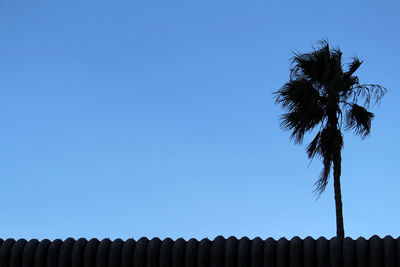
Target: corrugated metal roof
[308,252]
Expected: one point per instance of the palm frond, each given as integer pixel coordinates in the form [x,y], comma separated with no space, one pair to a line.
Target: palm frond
[329,142]
[302,66]
[359,119]
[299,124]
[311,66]
[370,93]
[322,67]
[296,93]
[303,102]
[322,182]
[313,148]
[353,66]
[346,89]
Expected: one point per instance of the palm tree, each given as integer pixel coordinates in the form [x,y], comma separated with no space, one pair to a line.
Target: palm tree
[321,94]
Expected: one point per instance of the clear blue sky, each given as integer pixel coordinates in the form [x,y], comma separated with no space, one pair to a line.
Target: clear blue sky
[140,118]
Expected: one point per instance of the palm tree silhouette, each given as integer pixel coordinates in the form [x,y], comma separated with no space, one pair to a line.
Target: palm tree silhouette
[321,94]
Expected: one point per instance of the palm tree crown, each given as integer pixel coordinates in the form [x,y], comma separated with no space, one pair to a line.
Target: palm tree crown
[321,94]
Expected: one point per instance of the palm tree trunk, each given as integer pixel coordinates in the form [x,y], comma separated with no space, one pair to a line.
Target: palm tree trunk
[338,195]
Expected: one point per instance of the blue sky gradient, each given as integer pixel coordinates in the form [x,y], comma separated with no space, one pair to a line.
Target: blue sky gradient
[141,118]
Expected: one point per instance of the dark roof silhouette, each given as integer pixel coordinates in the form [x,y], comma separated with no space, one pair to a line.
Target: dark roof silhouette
[308,252]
